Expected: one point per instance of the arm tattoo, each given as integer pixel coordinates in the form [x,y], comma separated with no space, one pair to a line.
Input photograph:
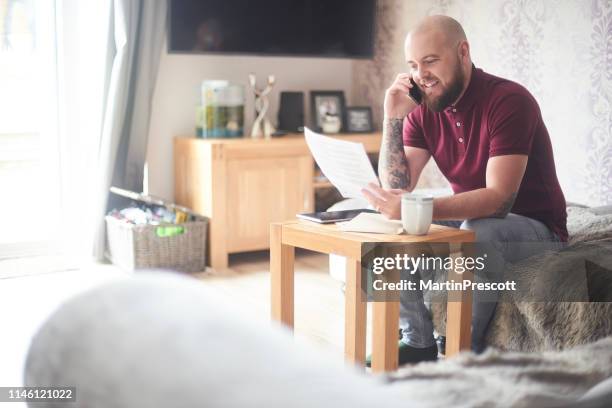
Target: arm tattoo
[392,163]
[505,207]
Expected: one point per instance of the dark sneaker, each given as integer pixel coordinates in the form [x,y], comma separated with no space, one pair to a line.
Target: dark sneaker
[441,342]
[411,355]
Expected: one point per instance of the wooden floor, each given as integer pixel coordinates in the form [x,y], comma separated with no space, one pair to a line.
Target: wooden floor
[319,299]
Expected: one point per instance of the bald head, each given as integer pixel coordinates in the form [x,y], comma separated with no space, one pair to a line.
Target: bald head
[446,29]
[438,55]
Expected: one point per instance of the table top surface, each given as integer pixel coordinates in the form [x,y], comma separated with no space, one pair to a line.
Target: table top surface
[437,233]
[329,239]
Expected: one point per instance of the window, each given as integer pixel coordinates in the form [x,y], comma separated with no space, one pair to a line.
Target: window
[29,144]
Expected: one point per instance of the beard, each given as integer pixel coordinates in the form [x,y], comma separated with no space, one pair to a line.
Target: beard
[449,95]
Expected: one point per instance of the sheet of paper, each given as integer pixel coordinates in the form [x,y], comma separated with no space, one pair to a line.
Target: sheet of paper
[375,223]
[344,163]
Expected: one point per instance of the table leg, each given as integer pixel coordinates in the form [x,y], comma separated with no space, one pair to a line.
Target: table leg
[458,312]
[355,315]
[385,317]
[385,324]
[282,276]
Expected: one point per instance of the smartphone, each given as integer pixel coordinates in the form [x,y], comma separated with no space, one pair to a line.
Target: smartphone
[328,217]
[415,92]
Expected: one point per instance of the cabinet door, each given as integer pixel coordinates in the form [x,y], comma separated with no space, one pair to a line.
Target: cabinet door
[261,191]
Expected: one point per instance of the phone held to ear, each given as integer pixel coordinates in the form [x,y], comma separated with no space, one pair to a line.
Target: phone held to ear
[415,92]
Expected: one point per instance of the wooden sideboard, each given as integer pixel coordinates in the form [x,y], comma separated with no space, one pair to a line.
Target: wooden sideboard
[243,185]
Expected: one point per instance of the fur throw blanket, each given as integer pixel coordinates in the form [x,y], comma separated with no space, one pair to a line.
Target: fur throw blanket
[508,379]
[580,280]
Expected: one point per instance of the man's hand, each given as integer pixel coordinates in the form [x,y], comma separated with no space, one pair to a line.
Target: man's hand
[387,202]
[397,102]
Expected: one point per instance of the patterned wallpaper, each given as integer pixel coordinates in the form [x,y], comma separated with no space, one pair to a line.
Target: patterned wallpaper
[560,50]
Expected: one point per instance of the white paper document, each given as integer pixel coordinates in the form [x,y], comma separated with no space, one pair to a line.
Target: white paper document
[368,222]
[344,163]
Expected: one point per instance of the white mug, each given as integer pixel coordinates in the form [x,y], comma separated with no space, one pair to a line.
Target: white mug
[417,213]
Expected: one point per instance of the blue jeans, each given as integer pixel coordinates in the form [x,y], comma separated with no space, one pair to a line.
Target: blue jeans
[492,236]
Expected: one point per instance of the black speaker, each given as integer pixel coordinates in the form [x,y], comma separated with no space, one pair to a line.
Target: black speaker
[291,112]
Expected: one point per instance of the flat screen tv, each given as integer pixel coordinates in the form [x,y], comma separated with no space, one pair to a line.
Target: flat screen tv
[321,28]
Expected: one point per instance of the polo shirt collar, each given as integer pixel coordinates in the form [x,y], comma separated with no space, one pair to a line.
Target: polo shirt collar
[470,96]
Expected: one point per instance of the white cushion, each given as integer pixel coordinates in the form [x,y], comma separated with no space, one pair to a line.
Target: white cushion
[164,340]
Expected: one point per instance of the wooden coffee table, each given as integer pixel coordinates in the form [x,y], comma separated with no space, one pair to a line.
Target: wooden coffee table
[327,239]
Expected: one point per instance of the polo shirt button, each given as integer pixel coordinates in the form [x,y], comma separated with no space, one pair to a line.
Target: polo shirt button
[458,124]
[460,140]
[454,110]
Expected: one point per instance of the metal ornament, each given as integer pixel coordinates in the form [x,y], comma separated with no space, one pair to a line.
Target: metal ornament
[261,125]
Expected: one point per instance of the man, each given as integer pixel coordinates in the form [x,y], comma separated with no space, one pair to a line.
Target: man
[488,138]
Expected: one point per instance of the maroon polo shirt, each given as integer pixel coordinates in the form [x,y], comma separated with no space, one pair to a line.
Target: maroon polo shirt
[494,117]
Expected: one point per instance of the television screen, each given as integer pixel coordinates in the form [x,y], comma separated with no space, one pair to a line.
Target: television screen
[328,28]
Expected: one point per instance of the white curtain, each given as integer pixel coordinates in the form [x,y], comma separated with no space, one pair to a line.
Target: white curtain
[108,62]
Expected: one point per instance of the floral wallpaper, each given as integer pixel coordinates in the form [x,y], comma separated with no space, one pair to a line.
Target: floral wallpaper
[560,50]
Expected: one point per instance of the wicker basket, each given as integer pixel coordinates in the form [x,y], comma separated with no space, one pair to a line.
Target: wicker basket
[140,246]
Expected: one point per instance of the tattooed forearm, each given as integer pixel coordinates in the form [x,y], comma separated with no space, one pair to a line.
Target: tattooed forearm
[505,207]
[392,163]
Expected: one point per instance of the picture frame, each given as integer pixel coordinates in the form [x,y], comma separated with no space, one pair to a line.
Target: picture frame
[322,102]
[359,119]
